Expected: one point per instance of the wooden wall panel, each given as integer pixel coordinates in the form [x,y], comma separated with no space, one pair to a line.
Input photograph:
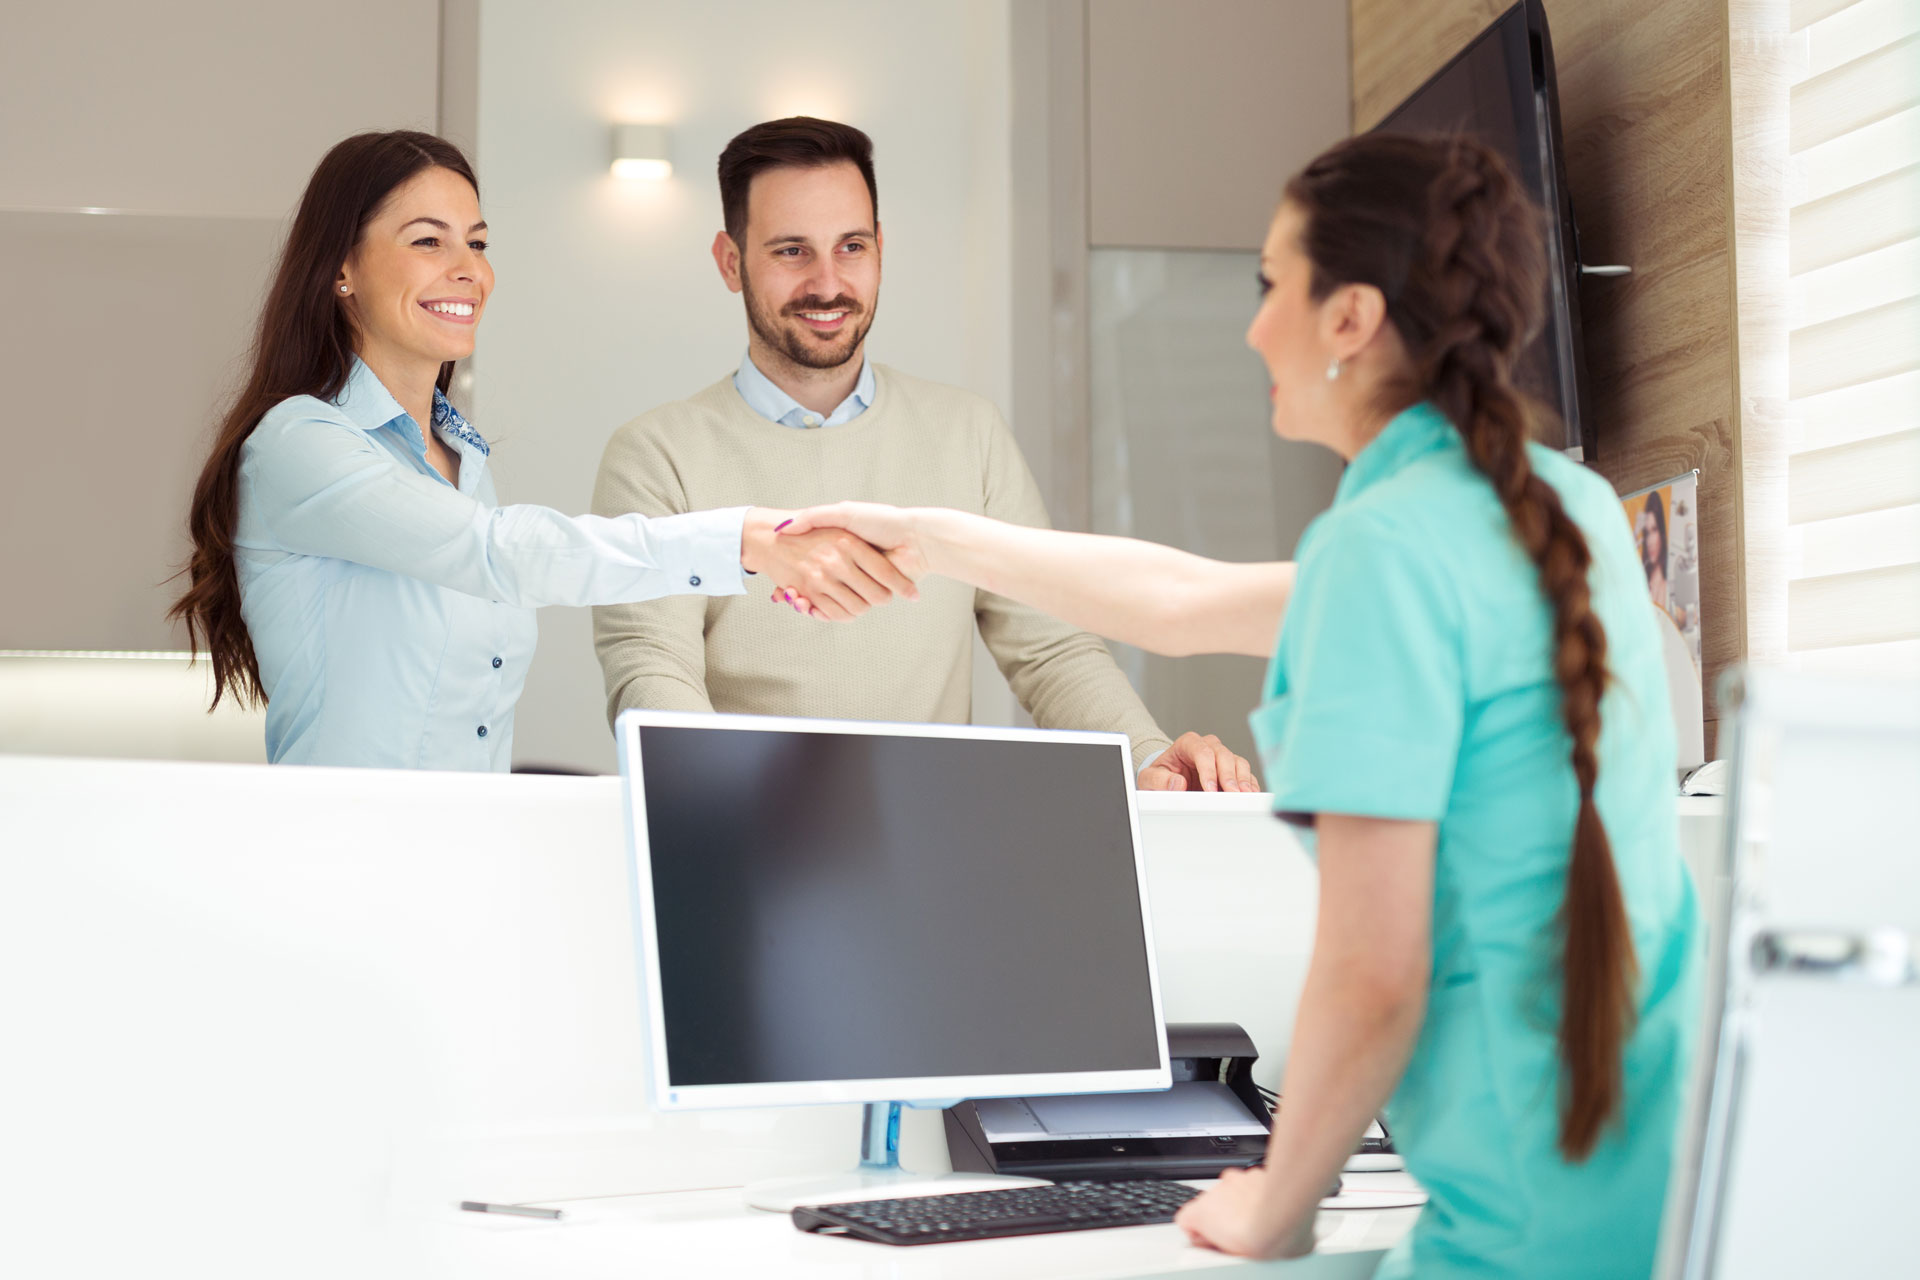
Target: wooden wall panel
[1647,129]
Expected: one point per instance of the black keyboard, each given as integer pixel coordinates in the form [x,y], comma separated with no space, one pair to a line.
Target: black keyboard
[1016,1211]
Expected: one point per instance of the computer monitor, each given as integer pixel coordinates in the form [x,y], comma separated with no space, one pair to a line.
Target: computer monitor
[838,911]
[1503,89]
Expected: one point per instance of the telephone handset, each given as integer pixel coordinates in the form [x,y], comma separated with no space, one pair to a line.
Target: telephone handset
[1376,1153]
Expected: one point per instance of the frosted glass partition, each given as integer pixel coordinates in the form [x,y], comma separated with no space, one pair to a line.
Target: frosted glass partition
[1183,452]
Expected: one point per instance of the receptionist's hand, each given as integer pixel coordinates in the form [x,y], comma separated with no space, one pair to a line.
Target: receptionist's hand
[1194,763]
[1237,1217]
[828,573]
[894,530]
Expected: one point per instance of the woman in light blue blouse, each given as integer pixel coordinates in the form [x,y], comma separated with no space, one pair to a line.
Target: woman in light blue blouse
[351,563]
[1466,703]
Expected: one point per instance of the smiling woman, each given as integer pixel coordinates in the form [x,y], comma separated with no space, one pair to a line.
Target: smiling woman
[415,287]
[352,566]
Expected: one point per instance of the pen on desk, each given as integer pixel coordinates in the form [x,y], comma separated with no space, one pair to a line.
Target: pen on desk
[523,1211]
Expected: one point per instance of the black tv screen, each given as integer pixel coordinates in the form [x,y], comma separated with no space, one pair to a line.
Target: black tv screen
[1501,89]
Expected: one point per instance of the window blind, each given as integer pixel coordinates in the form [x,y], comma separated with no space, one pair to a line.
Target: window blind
[1853,430]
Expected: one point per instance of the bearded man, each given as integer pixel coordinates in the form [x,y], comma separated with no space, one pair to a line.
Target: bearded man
[807,419]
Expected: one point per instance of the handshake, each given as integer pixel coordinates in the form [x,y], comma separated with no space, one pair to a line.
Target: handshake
[835,562]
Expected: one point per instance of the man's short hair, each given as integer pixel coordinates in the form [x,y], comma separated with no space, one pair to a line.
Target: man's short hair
[796,142]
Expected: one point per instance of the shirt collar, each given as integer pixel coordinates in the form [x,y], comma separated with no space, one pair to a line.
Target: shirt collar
[1411,434]
[775,405]
[447,421]
[365,399]
[368,404]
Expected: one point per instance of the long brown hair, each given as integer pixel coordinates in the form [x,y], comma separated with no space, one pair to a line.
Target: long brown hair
[303,346]
[1441,227]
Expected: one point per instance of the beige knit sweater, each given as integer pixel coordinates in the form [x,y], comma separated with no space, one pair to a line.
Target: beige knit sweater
[917,444]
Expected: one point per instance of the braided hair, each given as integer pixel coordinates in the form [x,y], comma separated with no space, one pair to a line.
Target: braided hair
[1441,227]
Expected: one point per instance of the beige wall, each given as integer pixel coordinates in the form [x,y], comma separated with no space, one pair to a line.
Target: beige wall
[1645,114]
[191,126]
[1197,112]
[216,107]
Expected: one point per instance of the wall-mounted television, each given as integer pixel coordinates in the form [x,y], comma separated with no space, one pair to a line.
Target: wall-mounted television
[1501,88]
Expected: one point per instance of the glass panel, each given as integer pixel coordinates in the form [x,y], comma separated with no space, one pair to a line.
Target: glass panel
[1183,453]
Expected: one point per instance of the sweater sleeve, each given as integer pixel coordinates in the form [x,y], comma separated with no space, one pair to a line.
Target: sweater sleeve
[1064,677]
[653,654]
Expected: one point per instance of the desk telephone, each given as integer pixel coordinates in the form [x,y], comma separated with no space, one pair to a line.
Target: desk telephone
[1213,1118]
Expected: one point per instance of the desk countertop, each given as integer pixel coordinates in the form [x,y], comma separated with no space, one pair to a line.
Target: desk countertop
[711,1234]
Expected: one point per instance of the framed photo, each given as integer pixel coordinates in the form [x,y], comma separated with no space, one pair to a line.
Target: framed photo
[1666,527]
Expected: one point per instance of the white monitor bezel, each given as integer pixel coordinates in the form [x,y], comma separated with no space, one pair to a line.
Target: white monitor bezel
[922,1089]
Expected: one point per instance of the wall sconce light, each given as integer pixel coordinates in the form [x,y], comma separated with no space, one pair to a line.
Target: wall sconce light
[640,151]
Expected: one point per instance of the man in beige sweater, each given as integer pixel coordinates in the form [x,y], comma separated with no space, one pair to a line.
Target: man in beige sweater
[807,419]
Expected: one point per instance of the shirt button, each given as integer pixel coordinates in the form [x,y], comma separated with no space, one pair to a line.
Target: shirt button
[694,581]
[496,664]
[811,420]
[483,731]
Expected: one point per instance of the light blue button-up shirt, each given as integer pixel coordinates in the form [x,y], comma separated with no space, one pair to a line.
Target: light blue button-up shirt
[775,405]
[391,611]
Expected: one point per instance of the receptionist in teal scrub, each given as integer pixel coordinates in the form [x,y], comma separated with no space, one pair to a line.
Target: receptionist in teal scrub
[1466,705]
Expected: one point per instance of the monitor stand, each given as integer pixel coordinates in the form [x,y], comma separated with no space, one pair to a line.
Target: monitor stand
[878,1176]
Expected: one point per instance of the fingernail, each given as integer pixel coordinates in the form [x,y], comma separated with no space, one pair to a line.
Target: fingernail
[783,524]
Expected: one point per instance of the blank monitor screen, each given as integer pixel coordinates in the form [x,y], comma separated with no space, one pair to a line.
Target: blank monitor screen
[865,905]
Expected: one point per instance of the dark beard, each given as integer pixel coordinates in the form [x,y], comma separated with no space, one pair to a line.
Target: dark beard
[793,346]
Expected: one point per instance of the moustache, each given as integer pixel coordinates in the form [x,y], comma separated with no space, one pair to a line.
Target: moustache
[841,303]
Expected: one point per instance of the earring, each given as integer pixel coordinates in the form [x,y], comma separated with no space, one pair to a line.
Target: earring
[1333,370]
[343,288]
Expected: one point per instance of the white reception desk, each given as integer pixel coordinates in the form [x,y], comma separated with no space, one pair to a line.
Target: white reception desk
[278,1021]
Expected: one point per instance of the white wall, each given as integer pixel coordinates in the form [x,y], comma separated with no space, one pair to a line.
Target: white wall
[607,301]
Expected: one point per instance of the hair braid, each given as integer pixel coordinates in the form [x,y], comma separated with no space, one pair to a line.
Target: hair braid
[1475,201]
[1441,227]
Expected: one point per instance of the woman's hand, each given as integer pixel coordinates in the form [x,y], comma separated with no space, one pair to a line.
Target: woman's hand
[829,573]
[898,531]
[1236,1217]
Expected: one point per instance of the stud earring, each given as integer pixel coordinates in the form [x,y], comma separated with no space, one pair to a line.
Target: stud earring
[343,288]
[1333,370]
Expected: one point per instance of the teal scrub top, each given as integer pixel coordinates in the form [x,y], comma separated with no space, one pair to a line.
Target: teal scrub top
[1412,680]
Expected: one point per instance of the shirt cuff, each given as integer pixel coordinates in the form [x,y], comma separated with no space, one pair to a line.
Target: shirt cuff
[700,551]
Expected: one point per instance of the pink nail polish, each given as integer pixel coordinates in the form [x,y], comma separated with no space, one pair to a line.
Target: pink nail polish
[783,524]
